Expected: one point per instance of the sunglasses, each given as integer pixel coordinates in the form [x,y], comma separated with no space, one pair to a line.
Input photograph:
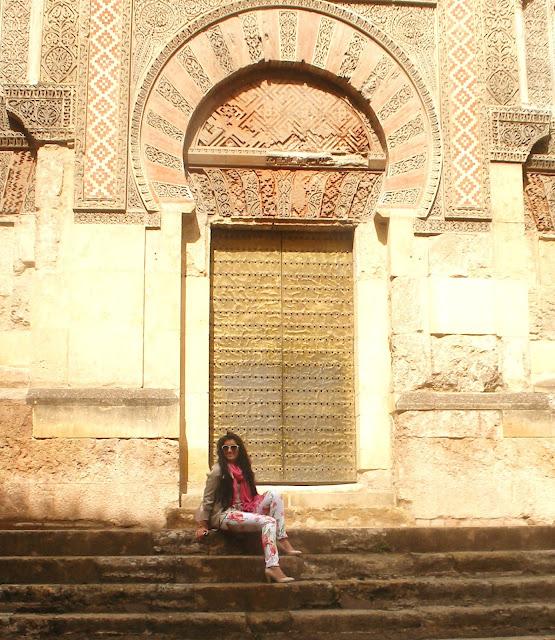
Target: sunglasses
[230,447]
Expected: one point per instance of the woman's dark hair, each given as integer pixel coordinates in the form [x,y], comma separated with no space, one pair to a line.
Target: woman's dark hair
[225,490]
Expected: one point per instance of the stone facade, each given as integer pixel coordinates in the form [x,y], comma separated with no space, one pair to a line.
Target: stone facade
[130,130]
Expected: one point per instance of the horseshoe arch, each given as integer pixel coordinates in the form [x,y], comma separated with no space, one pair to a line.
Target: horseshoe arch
[318,35]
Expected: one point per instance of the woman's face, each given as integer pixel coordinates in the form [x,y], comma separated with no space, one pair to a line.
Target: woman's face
[231,450]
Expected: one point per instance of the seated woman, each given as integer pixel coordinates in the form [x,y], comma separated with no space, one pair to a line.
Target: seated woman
[232,502]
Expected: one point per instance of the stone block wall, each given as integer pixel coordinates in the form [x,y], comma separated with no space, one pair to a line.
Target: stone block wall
[461,467]
[110,480]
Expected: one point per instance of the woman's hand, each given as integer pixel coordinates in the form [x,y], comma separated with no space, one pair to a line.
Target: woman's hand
[201,532]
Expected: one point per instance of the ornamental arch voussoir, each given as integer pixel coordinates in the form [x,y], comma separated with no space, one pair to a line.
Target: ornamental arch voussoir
[321,36]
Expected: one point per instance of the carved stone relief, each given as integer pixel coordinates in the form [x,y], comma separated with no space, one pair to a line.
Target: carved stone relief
[101,140]
[288,115]
[59,41]
[539,198]
[501,63]
[194,69]
[285,193]
[514,132]
[16,182]
[540,57]
[465,123]
[288,34]
[156,20]
[412,27]
[15,18]
[358,51]
[46,111]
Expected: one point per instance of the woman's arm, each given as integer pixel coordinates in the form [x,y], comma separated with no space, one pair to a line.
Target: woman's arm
[208,498]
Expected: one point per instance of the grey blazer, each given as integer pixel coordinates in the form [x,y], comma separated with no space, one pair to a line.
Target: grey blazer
[211,509]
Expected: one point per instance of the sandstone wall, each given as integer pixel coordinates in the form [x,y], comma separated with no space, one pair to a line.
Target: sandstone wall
[75,327]
[104,306]
[471,330]
[110,480]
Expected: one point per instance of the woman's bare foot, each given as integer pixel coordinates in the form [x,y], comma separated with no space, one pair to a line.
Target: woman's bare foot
[285,547]
[275,574]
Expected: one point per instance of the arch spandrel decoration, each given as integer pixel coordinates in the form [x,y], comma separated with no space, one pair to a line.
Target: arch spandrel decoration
[322,37]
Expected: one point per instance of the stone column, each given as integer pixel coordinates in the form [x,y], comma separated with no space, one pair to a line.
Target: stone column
[372,358]
[196,381]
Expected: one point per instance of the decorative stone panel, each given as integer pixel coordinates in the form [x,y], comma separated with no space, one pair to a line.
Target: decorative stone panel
[17,170]
[465,185]
[15,21]
[514,131]
[46,111]
[101,140]
[540,56]
[501,62]
[412,27]
[357,52]
[539,199]
[59,41]
[310,118]
[285,193]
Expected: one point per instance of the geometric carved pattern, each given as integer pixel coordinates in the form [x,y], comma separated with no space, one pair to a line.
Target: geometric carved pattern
[308,119]
[462,98]
[365,54]
[103,99]
[514,132]
[101,140]
[16,170]
[539,55]
[14,44]
[59,41]
[285,193]
[46,111]
[501,61]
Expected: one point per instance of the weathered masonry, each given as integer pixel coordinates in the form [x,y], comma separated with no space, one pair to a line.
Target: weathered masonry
[328,226]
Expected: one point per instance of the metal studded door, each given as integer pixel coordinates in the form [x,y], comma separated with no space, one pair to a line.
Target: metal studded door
[282,352]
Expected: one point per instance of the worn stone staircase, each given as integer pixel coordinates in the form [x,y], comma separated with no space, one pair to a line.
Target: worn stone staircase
[388,584]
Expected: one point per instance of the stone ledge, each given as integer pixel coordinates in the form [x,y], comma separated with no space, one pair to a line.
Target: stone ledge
[494,401]
[13,394]
[104,397]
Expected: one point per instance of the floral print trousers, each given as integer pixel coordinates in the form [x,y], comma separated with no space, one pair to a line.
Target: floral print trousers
[269,519]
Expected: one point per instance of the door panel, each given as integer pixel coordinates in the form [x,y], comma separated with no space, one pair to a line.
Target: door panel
[282,352]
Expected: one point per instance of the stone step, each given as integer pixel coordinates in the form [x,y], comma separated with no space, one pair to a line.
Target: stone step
[345,594]
[182,569]
[75,542]
[88,542]
[397,540]
[428,623]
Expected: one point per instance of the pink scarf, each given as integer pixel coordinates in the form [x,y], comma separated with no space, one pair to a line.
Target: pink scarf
[241,491]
